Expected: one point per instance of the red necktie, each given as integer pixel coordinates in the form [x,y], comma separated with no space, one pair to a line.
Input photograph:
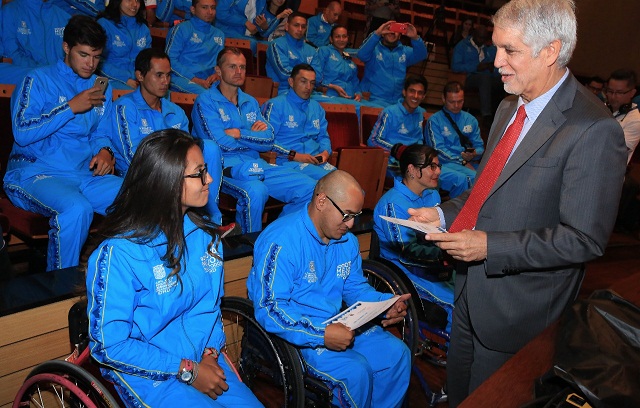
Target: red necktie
[468,216]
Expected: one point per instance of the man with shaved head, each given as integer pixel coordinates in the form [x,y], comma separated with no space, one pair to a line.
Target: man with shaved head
[305,265]
[319,27]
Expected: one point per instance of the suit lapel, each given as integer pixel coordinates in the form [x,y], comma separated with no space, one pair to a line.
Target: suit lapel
[545,126]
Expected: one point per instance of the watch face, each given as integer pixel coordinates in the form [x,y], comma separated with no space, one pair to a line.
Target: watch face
[185,376]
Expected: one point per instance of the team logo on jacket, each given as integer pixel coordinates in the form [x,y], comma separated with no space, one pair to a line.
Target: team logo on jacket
[59,31]
[402,58]
[24,29]
[62,99]
[379,57]
[159,272]
[142,42]
[310,275]
[321,29]
[291,123]
[218,40]
[343,270]
[145,129]
[403,129]
[223,116]
[210,263]
[163,285]
[309,59]
[118,42]
[316,123]
[251,117]
[333,57]
[195,39]
[467,129]
[446,131]
[292,55]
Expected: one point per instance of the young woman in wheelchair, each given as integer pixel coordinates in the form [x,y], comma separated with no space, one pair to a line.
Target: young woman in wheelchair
[155,281]
[418,259]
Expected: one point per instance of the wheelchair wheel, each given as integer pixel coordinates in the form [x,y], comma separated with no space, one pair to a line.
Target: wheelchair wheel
[385,279]
[269,366]
[59,383]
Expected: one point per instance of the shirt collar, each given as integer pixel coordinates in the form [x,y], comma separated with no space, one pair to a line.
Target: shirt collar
[536,106]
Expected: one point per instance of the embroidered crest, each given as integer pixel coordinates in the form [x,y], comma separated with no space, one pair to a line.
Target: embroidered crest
[291,123]
[159,272]
[402,58]
[24,29]
[99,110]
[256,169]
[118,42]
[251,117]
[333,57]
[223,116]
[309,59]
[59,31]
[218,40]
[210,263]
[145,129]
[195,39]
[310,275]
[292,56]
[142,42]
[164,286]
[467,129]
[343,270]
[403,130]
[379,57]
[321,29]
[62,99]
[316,123]
[446,131]
[176,126]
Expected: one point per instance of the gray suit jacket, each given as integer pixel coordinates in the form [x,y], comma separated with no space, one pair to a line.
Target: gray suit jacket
[552,209]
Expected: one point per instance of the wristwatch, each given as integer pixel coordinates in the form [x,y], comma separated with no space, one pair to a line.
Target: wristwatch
[108,149]
[292,154]
[464,162]
[189,373]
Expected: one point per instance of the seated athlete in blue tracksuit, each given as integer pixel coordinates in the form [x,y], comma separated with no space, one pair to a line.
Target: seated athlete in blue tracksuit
[338,73]
[320,25]
[127,35]
[193,47]
[31,36]
[417,186]
[147,110]
[233,120]
[62,159]
[386,61]
[154,285]
[300,126]
[459,158]
[305,266]
[286,52]
[402,122]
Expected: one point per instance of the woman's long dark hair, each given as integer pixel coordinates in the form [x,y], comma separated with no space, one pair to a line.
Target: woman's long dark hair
[150,200]
[112,12]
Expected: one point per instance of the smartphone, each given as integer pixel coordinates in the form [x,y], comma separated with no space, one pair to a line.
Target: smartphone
[102,82]
[398,28]
[470,150]
[319,158]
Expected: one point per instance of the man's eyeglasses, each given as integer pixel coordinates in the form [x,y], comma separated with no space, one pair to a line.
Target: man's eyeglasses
[202,175]
[617,93]
[345,216]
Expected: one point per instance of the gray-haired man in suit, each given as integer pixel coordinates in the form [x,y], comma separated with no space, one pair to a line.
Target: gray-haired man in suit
[551,207]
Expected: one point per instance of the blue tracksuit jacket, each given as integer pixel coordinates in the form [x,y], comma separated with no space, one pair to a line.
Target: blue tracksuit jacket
[231,17]
[399,244]
[135,119]
[442,136]
[465,56]
[124,41]
[318,30]
[283,54]
[396,125]
[32,32]
[298,124]
[337,69]
[385,69]
[272,21]
[193,47]
[143,322]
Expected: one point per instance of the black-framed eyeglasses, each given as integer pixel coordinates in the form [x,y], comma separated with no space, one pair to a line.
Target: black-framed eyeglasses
[345,216]
[617,93]
[433,166]
[202,175]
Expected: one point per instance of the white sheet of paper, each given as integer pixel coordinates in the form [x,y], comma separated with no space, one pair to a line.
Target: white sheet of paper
[418,226]
[361,313]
